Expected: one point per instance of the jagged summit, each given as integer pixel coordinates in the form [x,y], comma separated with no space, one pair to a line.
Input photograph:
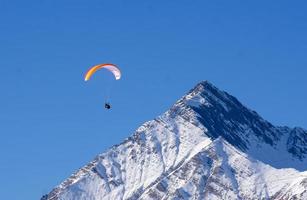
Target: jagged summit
[204,85]
[206,146]
[223,115]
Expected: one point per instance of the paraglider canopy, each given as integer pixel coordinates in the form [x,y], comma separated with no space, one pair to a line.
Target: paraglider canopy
[111,67]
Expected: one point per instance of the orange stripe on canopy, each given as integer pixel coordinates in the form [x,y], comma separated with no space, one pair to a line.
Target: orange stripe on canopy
[112,68]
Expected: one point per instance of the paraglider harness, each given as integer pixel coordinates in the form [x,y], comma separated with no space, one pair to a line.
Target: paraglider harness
[107,105]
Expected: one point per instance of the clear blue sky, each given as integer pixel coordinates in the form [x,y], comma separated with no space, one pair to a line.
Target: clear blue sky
[52,122]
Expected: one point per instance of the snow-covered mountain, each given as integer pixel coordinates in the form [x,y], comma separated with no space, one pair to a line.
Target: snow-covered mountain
[207,146]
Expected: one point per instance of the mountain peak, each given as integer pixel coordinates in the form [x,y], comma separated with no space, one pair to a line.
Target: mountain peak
[204,86]
[207,146]
[224,116]
[207,84]
[207,94]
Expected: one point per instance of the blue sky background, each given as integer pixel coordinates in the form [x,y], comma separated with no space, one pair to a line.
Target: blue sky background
[52,122]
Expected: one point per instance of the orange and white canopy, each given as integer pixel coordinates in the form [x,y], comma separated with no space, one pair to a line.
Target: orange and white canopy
[112,68]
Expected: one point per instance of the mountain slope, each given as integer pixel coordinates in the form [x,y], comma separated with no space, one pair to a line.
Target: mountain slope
[208,145]
[220,171]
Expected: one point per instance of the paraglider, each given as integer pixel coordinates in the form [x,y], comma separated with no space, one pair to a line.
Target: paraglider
[107,105]
[111,67]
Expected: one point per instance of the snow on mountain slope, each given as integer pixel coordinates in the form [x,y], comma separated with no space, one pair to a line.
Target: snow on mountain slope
[219,171]
[208,145]
[223,115]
